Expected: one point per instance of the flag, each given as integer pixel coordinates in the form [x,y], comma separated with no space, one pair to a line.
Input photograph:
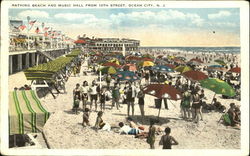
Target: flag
[32,22]
[46,34]
[37,30]
[45,28]
[22,27]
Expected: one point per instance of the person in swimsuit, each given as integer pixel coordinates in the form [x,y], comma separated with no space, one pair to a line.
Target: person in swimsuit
[140,97]
[185,104]
[85,117]
[84,93]
[195,106]
[151,134]
[167,141]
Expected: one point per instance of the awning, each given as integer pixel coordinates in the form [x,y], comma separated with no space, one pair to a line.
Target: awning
[26,113]
[19,40]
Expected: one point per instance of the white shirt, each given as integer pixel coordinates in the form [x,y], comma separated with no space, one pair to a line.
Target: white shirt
[93,90]
[125,129]
[84,89]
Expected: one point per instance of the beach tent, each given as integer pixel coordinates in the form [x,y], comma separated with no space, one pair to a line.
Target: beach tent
[26,113]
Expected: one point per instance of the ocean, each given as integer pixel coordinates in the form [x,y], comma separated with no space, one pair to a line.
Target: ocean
[233,50]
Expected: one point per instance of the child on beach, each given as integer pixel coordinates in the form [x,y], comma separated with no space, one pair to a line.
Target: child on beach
[151,134]
[167,141]
[76,104]
[85,117]
[100,125]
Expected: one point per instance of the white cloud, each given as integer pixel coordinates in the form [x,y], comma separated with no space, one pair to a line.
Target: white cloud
[161,17]
[34,14]
[74,16]
[220,14]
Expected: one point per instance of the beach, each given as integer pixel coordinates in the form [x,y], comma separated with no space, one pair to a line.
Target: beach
[63,130]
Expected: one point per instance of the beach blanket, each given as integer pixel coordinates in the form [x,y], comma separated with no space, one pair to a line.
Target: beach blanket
[26,113]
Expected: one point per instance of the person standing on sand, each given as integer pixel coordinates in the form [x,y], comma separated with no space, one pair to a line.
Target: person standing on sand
[93,95]
[102,98]
[151,134]
[84,93]
[166,140]
[115,96]
[195,105]
[131,94]
[85,117]
[141,97]
[185,103]
[108,80]
[76,104]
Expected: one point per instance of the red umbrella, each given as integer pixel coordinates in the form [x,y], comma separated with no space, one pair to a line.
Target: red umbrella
[178,61]
[147,59]
[196,60]
[133,58]
[170,66]
[163,91]
[130,67]
[195,75]
[235,70]
[112,64]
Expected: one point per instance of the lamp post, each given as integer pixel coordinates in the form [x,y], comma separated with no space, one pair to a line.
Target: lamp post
[28,19]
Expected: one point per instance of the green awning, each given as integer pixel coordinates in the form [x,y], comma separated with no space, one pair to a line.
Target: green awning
[26,113]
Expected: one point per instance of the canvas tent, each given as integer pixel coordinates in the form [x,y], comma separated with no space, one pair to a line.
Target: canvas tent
[26,114]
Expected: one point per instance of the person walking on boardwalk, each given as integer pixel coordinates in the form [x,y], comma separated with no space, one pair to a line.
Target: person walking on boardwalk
[167,141]
[151,134]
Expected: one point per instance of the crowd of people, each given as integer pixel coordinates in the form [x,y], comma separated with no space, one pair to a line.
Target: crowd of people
[193,103]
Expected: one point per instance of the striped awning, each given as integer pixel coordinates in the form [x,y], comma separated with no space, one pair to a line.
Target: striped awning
[26,113]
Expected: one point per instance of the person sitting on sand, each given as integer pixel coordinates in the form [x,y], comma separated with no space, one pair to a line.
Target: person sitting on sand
[125,129]
[167,141]
[85,117]
[218,106]
[233,115]
[151,134]
[100,125]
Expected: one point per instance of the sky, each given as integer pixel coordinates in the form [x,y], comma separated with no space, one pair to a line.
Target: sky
[153,27]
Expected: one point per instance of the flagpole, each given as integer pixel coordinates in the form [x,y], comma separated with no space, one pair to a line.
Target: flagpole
[28,18]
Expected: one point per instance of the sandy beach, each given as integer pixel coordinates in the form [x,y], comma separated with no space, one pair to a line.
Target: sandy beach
[63,130]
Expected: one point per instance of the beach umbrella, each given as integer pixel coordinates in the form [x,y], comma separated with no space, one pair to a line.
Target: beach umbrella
[218,86]
[126,76]
[196,60]
[147,59]
[162,91]
[162,68]
[171,57]
[235,70]
[135,58]
[130,67]
[181,58]
[111,64]
[221,62]
[170,66]
[182,69]
[108,70]
[216,67]
[148,56]
[114,60]
[146,64]
[178,61]
[195,75]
